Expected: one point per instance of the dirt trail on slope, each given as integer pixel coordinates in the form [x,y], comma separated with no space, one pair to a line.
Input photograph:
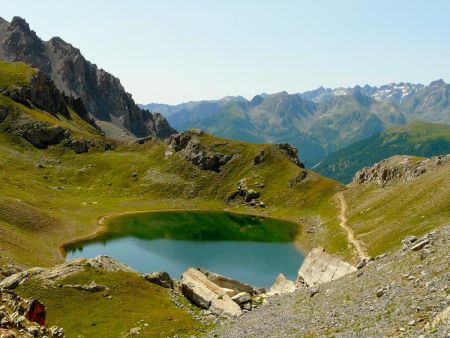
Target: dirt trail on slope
[343,223]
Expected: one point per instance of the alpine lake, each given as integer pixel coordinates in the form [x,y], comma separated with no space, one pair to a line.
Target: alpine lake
[248,248]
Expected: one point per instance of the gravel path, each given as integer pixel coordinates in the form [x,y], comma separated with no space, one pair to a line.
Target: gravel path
[361,252]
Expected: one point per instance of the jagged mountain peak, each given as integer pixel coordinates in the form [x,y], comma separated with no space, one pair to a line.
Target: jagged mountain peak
[101,93]
[437,83]
[18,22]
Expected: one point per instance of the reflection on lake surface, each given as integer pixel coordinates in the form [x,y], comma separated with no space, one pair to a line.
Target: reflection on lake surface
[174,241]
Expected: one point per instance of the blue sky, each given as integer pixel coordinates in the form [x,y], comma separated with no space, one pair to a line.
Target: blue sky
[173,51]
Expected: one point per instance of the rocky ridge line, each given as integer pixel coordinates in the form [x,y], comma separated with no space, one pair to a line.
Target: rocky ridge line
[398,169]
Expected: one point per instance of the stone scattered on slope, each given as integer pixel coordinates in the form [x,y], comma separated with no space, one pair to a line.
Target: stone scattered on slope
[414,303]
[320,267]
[281,286]
[224,306]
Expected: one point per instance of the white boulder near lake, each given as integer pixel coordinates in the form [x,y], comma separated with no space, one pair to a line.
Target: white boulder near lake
[320,267]
[224,296]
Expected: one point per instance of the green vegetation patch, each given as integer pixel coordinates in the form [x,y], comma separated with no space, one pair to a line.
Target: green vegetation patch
[15,74]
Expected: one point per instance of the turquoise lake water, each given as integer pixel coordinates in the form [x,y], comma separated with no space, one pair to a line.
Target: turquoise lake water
[134,241]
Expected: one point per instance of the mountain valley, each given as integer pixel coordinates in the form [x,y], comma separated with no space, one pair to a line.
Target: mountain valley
[352,183]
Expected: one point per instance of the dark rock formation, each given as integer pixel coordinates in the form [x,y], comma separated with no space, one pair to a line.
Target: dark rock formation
[42,134]
[291,152]
[244,195]
[79,146]
[260,158]
[4,112]
[199,155]
[160,278]
[101,93]
[298,178]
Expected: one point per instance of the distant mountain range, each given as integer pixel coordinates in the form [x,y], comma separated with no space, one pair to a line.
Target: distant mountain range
[318,122]
[415,139]
[101,93]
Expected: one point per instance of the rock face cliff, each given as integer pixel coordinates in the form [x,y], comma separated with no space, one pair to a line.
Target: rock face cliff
[101,93]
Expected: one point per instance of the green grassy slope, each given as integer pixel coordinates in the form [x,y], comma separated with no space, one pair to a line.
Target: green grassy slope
[131,302]
[75,190]
[416,139]
[52,196]
[381,217]
[15,74]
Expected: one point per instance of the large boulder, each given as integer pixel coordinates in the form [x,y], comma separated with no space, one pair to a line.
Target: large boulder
[79,146]
[320,267]
[282,285]
[203,292]
[228,283]
[224,306]
[196,287]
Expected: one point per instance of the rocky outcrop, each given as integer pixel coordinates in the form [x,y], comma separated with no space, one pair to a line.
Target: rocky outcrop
[300,177]
[291,152]
[42,134]
[221,295]
[260,158]
[50,275]
[246,195]
[41,93]
[160,278]
[92,287]
[320,267]
[398,169]
[196,153]
[25,317]
[101,93]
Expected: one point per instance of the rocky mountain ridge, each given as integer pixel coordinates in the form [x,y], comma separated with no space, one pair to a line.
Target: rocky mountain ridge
[318,122]
[101,93]
[398,168]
